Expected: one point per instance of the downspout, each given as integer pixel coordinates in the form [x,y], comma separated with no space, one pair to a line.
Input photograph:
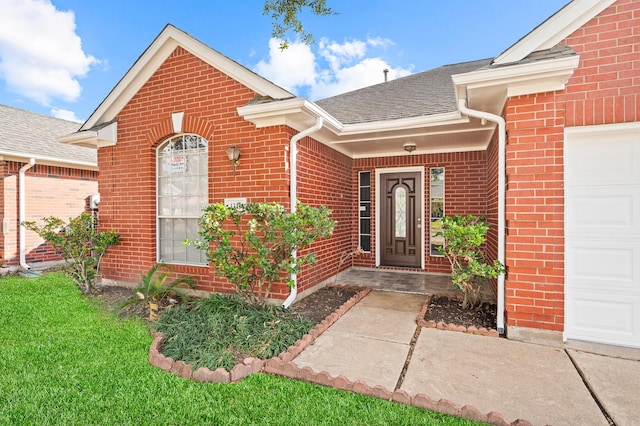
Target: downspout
[462,106]
[293,190]
[22,213]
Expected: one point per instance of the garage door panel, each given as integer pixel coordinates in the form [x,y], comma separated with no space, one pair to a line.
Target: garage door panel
[602,234]
[606,319]
[603,211]
[603,159]
[602,265]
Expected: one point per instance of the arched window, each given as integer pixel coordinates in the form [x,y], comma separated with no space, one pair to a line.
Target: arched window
[182,192]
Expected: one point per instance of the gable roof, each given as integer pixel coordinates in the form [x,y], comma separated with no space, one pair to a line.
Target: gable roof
[155,55]
[421,94]
[548,34]
[26,134]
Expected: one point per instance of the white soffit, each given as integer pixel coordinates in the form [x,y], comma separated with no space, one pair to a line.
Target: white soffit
[155,55]
[555,29]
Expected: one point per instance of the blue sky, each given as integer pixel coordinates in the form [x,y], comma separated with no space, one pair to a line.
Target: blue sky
[62,57]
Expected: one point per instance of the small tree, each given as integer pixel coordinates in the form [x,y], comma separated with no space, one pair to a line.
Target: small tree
[464,236]
[79,244]
[252,245]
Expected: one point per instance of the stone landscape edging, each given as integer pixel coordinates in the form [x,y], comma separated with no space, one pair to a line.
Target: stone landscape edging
[284,366]
[249,365]
[289,369]
[482,331]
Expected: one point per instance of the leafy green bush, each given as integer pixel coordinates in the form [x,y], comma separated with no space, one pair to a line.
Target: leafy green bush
[252,245]
[154,289]
[223,329]
[464,236]
[80,245]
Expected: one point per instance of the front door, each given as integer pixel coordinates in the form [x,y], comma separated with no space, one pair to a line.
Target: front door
[401,219]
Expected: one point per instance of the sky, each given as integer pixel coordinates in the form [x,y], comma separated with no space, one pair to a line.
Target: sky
[62,57]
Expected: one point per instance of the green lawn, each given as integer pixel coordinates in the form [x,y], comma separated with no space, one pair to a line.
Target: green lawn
[66,361]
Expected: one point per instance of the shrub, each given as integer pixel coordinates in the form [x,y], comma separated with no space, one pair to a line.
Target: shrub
[252,245]
[79,244]
[464,236]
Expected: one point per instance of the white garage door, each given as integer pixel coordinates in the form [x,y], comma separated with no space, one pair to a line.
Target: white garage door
[602,234]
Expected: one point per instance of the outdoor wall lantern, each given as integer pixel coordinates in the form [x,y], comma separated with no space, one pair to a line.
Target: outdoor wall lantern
[409,147]
[234,156]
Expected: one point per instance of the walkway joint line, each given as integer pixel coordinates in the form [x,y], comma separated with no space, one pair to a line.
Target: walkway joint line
[412,345]
[591,392]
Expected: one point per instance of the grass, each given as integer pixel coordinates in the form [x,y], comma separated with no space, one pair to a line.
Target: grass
[66,361]
[221,330]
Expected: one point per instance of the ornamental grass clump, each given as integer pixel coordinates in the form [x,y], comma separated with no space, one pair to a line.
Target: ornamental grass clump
[464,237]
[222,330]
[156,286]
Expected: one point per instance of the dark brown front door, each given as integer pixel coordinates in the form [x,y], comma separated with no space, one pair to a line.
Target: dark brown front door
[401,219]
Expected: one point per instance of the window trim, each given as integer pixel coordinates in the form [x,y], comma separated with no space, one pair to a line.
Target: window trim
[158,151]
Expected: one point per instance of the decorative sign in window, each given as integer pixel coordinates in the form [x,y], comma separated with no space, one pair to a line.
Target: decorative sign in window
[436,207]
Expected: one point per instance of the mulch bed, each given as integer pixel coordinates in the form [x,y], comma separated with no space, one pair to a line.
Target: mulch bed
[315,307]
[449,310]
[322,303]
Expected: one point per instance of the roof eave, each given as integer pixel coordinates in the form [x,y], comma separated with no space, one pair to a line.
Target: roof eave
[519,79]
[48,160]
[105,136]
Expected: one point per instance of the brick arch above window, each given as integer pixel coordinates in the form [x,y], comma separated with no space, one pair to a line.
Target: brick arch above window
[163,129]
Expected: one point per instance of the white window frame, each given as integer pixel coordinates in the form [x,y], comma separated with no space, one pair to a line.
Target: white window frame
[431,201]
[186,215]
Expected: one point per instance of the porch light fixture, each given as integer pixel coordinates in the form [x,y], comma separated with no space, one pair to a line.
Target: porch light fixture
[409,147]
[234,156]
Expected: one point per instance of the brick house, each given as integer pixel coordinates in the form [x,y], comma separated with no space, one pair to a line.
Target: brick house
[544,140]
[39,177]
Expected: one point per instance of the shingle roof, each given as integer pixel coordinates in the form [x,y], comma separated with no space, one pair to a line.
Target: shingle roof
[422,94]
[26,133]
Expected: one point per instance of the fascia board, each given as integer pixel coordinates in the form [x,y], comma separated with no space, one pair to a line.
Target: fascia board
[85,138]
[404,123]
[522,79]
[153,57]
[296,112]
[107,136]
[554,30]
[46,160]
[291,112]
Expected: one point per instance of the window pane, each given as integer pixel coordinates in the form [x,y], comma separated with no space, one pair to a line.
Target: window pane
[182,193]
[400,196]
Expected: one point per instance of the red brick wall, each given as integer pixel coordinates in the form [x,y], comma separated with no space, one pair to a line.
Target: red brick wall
[325,178]
[209,100]
[50,191]
[603,90]
[465,191]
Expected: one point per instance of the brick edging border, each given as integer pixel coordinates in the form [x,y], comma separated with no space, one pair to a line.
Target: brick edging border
[249,365]
[450,327]
[284,366]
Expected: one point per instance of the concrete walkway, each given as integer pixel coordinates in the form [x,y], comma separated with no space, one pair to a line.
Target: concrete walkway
[538,383]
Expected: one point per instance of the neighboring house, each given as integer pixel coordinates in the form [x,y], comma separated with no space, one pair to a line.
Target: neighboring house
[544,140]
[39,177]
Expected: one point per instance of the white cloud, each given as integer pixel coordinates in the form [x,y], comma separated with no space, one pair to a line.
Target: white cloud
[41,56]
[384,43]
[335,68]
[290,68]
[65,115]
